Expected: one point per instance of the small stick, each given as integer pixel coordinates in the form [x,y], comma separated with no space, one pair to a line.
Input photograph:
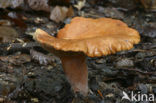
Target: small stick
[99,92]
[6,47]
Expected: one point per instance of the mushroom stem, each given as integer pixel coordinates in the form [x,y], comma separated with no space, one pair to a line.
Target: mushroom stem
[75,69]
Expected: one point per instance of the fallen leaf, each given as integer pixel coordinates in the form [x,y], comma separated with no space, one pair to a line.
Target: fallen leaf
[70,12]
[39,5]
[8,34]
[11,3]
[5,23]
[1,100]
[58,14]
[16,59]
[17,19]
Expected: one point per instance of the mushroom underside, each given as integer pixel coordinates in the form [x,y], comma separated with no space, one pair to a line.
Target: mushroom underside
[92,47]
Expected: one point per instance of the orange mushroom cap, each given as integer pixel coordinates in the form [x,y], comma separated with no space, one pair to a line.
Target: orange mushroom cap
[93,37]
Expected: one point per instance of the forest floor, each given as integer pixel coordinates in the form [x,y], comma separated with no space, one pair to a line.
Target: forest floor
[29,74]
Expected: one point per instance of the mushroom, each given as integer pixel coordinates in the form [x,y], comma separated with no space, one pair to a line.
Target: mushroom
[86,37]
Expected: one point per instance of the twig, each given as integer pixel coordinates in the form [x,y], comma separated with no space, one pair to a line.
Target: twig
[99,92]
[139,71]
[6,47]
